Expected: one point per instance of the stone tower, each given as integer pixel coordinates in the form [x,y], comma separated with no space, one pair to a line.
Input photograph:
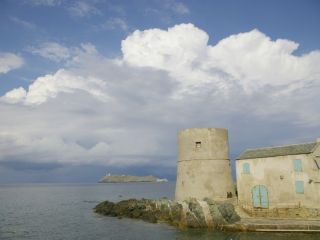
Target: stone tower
[203,164]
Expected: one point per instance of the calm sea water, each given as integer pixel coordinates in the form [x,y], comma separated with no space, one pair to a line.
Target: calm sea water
[64,211]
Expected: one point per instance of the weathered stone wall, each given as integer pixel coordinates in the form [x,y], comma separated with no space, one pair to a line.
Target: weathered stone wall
[203,169]
[284,213]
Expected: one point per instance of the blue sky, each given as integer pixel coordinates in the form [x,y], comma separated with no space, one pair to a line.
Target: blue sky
[90,86]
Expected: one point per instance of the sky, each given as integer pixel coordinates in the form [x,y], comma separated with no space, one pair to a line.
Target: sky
[89,87]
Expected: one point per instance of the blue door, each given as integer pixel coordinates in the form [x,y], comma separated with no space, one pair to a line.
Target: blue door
[260,196]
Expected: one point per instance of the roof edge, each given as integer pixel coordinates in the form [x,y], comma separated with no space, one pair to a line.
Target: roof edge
[274,156]
[316,146]
[278,147]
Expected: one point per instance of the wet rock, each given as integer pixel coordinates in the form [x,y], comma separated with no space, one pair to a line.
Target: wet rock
[217,217]
[195,216]
[176,214]
[228,212]
[191,213]
[105,208]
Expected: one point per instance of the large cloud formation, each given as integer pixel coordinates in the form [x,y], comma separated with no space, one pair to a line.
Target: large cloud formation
[127,110]
[251,60]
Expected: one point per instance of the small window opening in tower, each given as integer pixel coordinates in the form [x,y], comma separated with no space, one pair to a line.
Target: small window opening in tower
[198,144]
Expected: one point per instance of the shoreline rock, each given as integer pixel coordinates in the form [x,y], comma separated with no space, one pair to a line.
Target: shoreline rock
[191,213]
[207,213]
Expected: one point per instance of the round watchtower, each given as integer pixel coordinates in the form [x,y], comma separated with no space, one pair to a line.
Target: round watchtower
[203,164]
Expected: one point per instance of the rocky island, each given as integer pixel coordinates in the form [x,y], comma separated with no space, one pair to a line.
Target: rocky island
[129,178]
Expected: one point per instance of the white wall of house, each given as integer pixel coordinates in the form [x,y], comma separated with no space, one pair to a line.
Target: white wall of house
[279,176]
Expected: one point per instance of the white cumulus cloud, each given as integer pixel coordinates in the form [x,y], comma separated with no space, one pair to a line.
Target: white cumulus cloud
[49,86]
[170,50]
[251,60]
[16,95]
[9,61]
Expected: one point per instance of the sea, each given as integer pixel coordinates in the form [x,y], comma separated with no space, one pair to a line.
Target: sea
[64,211]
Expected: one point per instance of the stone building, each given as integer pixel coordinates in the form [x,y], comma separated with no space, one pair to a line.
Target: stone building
[284,179]
[203,169]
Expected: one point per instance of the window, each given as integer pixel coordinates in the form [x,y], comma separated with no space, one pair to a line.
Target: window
[246,168]
[297,165]
[299,187]
[198,144]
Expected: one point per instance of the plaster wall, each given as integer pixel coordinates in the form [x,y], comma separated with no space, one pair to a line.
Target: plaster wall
[279,176]
[203,164]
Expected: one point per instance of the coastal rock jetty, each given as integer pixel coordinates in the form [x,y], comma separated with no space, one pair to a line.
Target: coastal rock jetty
[191,213]
[206,213]
[129,178]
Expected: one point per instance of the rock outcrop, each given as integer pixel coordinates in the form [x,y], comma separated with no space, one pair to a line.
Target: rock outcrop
[191,213]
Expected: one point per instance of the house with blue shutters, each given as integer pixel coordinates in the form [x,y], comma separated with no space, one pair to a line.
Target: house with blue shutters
[282,181]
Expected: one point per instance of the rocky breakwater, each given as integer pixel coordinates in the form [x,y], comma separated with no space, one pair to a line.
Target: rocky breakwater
[190,213]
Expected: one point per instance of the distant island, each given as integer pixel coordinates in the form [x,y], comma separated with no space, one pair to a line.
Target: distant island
[129,178]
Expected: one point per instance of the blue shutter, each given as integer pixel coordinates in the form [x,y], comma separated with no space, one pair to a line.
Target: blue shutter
[297,165]
[299,187]
[246,168]
[256,196]
[260,196]
[264,197]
